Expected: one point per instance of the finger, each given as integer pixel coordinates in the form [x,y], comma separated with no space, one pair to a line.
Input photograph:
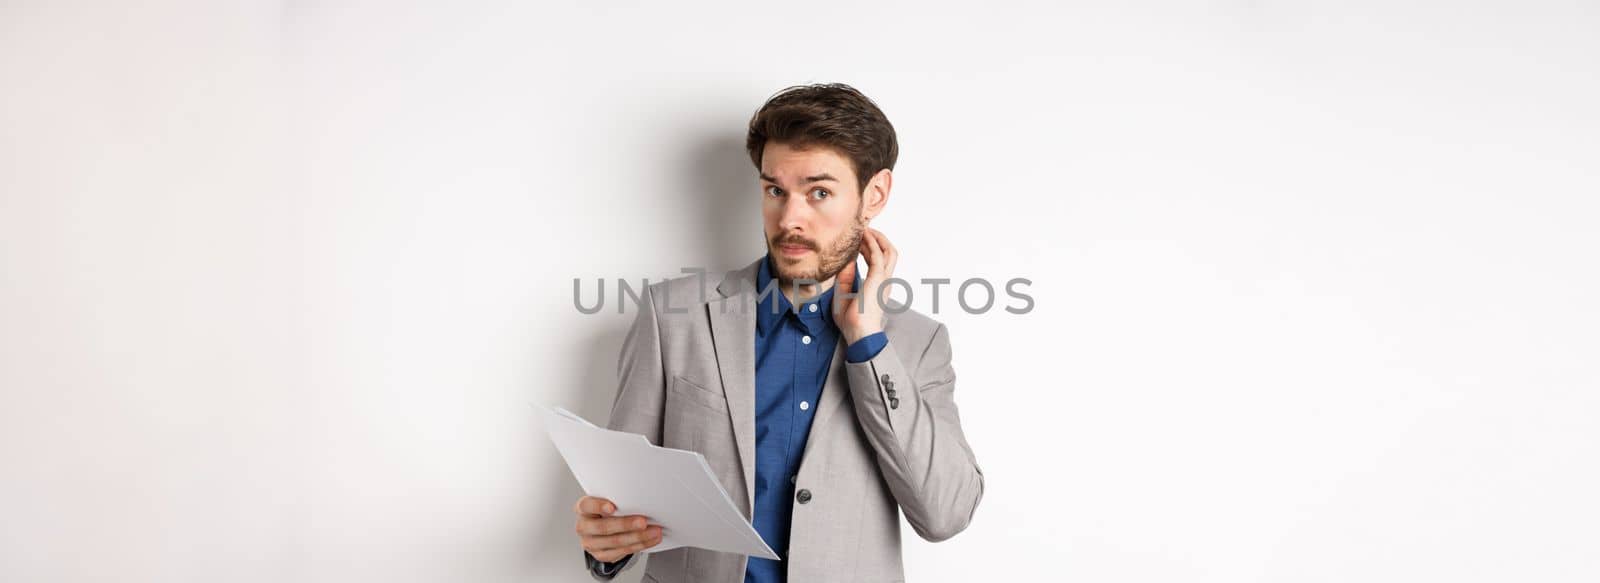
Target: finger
[614,525]
[846,281]
[617,554]
[594,506]
[647,542]
[622,540]
[891,252]
[641,545]
[875,261]
[624,547]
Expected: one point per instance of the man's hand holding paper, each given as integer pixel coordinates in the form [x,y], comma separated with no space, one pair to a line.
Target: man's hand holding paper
[644,498]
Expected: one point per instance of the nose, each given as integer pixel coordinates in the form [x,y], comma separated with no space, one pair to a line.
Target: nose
[794,214]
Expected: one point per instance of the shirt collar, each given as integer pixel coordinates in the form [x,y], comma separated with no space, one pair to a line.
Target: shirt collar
[772,308]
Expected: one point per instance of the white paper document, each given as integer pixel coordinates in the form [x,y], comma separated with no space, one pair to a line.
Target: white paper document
[673,488]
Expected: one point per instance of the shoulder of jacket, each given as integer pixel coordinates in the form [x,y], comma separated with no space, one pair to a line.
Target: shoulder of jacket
[903,322]
[681,295]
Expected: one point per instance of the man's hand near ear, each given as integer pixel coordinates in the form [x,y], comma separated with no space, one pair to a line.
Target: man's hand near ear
[862,316]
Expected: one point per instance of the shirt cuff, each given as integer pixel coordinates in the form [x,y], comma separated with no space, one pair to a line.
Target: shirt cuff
[866,348]
[602,570]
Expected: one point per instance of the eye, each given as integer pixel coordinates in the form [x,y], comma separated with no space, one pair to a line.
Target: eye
[774,191]
[823,193]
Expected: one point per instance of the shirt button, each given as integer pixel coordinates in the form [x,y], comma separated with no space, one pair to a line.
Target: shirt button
[803,496]
[791,479]
[804,405]
[813,307]
[805,339]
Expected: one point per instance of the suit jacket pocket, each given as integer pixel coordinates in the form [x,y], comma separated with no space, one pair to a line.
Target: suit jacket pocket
[692,392]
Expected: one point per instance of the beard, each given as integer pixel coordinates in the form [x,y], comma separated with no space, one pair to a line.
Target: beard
[830,261]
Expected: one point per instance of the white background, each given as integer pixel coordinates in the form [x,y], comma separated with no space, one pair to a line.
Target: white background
[1315,282]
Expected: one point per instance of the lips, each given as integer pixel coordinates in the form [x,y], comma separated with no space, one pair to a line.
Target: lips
[794,249]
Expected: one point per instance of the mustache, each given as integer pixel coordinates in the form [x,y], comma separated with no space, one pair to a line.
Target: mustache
[795,240]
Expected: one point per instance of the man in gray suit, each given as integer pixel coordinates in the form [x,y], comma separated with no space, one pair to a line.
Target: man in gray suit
[824,410]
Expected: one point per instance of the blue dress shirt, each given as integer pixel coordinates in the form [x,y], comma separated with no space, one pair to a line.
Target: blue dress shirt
[794,348]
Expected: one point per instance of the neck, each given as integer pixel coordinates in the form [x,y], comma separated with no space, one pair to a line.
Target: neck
[805,291]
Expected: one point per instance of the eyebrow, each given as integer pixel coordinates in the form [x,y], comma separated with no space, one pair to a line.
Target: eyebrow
[824,177]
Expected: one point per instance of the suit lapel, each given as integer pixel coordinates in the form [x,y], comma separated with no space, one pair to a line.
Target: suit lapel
[733,330]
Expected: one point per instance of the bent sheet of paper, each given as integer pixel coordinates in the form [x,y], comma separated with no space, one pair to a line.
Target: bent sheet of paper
[673,488]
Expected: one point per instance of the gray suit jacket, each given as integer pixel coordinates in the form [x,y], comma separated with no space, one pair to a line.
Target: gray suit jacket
[886,438]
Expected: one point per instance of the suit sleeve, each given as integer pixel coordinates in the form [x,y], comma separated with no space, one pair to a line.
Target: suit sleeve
[641,377]
[638,405]
[910,419]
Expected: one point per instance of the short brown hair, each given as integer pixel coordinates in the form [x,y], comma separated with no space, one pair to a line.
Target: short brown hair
[832,115]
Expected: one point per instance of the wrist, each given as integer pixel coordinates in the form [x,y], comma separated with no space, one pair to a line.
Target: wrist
[853,336]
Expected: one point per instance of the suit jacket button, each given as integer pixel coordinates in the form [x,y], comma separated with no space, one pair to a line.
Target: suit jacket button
[891,392]
[803,496]
[888,384]
[884,378]
[894,403]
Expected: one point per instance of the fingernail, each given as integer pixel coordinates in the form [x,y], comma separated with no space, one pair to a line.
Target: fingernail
[611,508]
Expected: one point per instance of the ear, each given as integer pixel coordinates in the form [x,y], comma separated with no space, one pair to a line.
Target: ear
[876,195]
